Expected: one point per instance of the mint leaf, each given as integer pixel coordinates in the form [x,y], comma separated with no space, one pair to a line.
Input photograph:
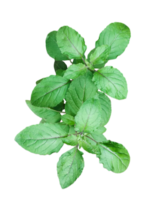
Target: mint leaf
[114,156]
[97,134]
[78,92]
[75,70]
[117,36]
[50,91]
[70,167]
[52,47]
[39,81]
[98,56]
[48,114]
[68,119]
[88,117]
[111,81]
[89,145]
[60,106]
[44,138]
[70,42]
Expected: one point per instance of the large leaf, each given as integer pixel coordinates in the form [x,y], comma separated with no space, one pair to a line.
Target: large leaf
[44,138]
[117,36]
[70,167]
[78,92]
[75,70]
[98,56]
[70,42]
[52,47]
[50,91]
[114,156]
[88,117]
[112,82]
[48,114]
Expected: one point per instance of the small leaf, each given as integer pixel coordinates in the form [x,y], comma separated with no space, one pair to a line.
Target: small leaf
[39,81]
[89,145]
[59,65]
[60,106]
[71,138]
[60,72]
[97,134]
[98,56]
[75,70]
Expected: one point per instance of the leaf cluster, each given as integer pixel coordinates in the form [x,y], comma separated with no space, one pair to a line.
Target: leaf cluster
[73,104]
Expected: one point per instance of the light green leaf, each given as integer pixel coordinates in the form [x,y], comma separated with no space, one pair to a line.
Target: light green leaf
[105,107]
[68,119]
[114,156]
[90,141]
[75,70]
[78,92]
[50,91]
[88,117]
[117,36]
[112,82]
[44,138]
[98,56]
[48,114]
[52,47]
[71,43]
[71,138]
[70,167]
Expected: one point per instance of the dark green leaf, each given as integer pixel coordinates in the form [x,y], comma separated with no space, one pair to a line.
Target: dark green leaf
[59,65]
[68,119]
[60,106]
[60,72]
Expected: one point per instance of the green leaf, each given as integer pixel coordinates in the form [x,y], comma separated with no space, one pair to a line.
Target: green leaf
[80,90]
[59,65]
[39,81]
[60,72]
[114,156]
[52,47]
[105,107]
[68,119]
[71,43]
[48,114]
[44,138]
[70,167]
[77,61]
[90,142]
[71,138]
[75,70]
[50,91]
[112,82]
[88,117]
[98,56]
[117,36]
